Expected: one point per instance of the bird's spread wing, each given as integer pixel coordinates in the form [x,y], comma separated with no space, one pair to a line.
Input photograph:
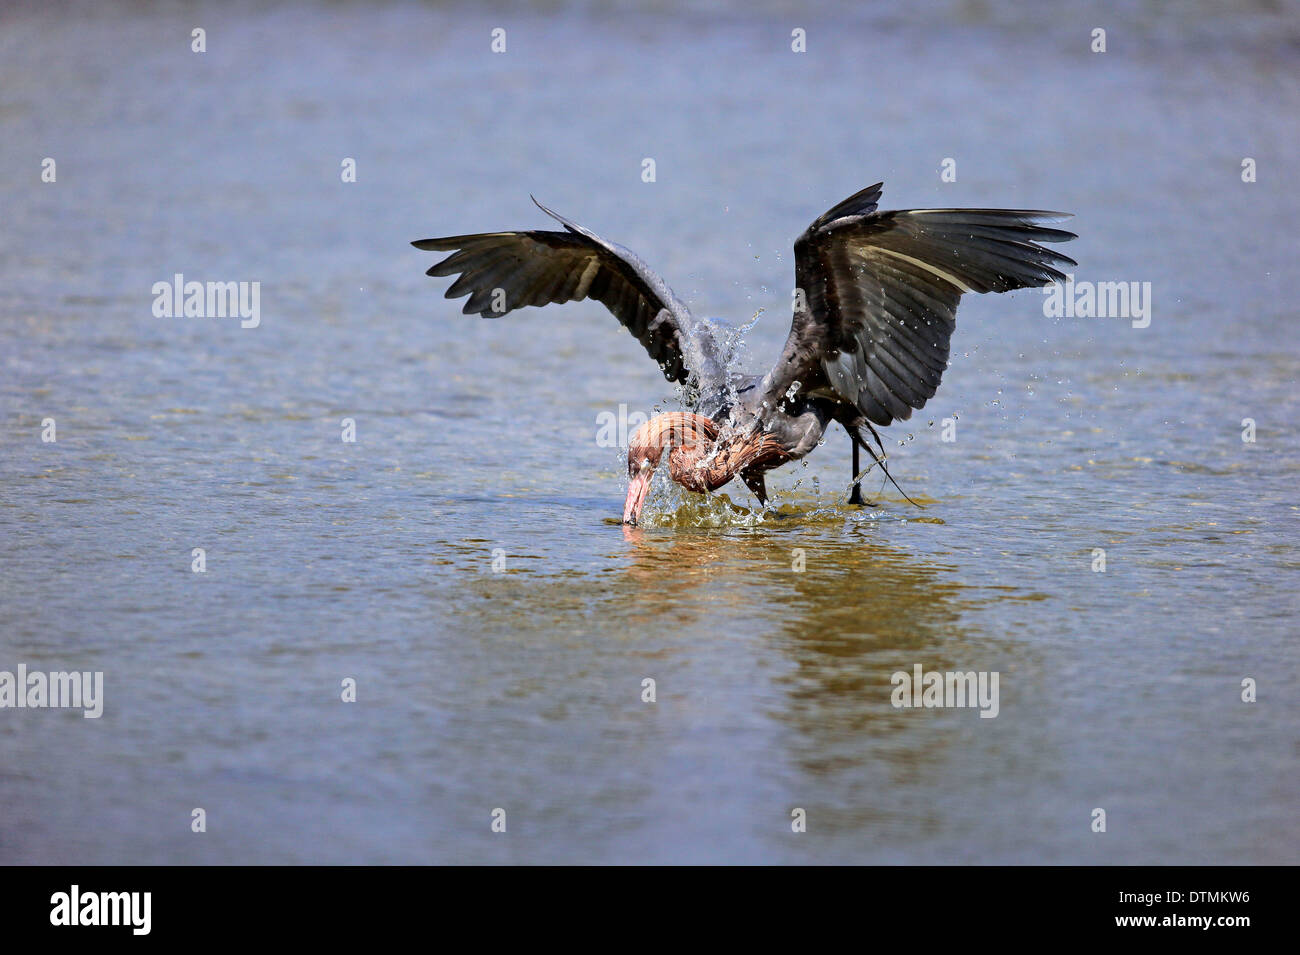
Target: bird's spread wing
[877,296]
[503,271]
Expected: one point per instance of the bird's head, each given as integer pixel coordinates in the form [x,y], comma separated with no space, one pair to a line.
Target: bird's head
[686,437]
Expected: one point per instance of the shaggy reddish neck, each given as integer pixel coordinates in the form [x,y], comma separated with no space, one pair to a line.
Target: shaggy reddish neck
[676,429]
[706,467]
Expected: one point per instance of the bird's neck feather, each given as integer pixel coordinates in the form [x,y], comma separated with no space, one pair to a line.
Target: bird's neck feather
[706,466]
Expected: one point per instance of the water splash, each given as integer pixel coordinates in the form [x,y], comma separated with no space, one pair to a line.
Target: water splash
[675,507]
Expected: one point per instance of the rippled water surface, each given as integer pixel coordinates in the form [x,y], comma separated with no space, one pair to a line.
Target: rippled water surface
[522,689]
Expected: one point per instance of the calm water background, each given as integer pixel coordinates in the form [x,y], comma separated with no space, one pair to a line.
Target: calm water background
[521,690]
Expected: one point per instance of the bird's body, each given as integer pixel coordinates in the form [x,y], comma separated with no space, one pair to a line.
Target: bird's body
[875,304]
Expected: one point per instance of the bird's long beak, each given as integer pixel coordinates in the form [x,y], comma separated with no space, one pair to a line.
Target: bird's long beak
[638,488]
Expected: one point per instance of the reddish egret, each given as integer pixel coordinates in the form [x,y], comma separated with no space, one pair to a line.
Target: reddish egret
[875,307]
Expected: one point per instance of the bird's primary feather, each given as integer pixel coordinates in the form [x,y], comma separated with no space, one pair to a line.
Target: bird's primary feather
[504,271]
[877,296]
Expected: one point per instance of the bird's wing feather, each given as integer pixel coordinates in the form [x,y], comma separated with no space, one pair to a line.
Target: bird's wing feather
[880,293]
[503,271]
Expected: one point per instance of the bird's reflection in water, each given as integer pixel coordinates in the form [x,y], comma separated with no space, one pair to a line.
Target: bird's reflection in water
[859,611]
[773,682]
[841,597]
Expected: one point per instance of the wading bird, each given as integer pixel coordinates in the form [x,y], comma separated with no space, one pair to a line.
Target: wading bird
[875,307]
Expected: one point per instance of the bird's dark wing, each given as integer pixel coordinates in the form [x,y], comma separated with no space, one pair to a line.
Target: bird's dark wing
[880,291]
[503,271]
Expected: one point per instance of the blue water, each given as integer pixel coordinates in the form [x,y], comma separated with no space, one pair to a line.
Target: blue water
[521,690]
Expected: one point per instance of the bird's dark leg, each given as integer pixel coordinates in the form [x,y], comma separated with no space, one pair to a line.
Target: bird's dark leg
[855,496]
[754,481]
